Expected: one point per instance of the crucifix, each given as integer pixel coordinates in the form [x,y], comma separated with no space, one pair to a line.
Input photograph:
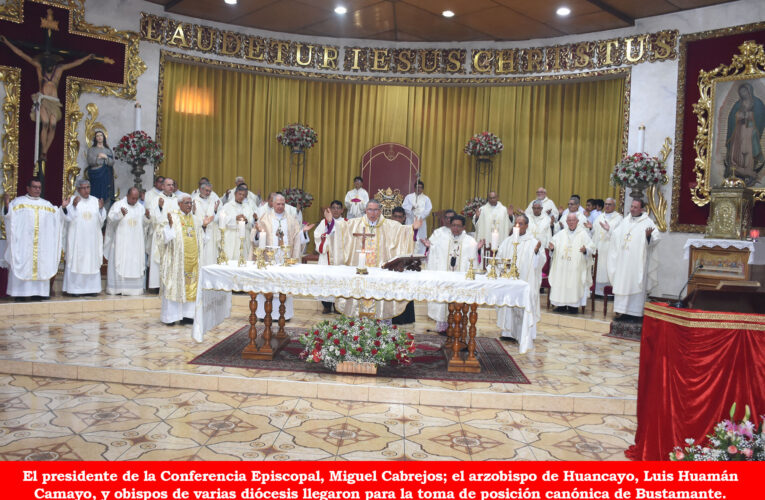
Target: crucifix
[364,236]
[47,61]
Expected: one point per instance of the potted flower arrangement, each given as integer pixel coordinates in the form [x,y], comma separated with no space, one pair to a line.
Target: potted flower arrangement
[297,137]
[472,205]
[298,198]
[729,441]
[638,171]
[138,149]
[484,144]
[356,345]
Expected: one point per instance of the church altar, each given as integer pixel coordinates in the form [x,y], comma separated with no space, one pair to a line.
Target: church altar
[216,282]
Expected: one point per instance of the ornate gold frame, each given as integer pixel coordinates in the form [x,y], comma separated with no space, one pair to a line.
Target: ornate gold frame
[11,78]
[677,167]
[13,10]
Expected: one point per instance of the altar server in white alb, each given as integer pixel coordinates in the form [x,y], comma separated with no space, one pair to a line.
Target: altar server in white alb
[418,205]
[571,270]
[320,235]
[602,229]
[183,240]
[33,230]
[492,222]
[84,242]
[450,252]
[239,209]
[632,261]
[161,205]
[124,244]
[548,206]
[278,228]
[356,199]
[530,259]
[205,203]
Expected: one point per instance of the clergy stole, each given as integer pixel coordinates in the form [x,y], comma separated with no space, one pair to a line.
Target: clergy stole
[602,240]
[570,272]
[33,229]
[529,265]
[227,221]
[205,207]
[159,221]
[629,259]
[290,228]
[85,242]
[124,234]
[180,259]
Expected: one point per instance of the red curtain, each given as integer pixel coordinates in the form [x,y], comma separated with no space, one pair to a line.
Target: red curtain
[693,366]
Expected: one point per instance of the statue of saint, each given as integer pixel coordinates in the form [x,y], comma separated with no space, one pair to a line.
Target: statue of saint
[100,170]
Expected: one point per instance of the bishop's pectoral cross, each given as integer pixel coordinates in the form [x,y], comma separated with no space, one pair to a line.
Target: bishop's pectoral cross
[627,240]
[364,235]
[280,233]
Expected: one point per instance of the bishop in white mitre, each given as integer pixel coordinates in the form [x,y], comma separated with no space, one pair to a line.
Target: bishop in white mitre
[33,230]
[530,259]
[183,240]
[548,206]
[164,203]
[453,252]
[356,200]
[632,261]
[491,217]
[277,228]
[84,242]
[381,240]
[320,234]
[239,209]
[603,228]
[571,269]
[540,224]
[124,245]
[205,204]
[418,205]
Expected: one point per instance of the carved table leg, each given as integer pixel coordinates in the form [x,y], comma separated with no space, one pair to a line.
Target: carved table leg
[449,327]
[463,330]
[252,346]
[456,345]
[281,334]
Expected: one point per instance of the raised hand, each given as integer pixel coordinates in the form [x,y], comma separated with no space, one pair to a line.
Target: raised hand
[539,245]
[217,204]
[161,202]
[327,215]
[477,213]
[588,225]
[147,214]
[124,210]
[241,217]
[549,211]
[194,207]
[583,249]
[170,219]
[425,242]
[64,202]
[207,220]
[510,210]
[480,244]
[76,201]
[100,203]
[648,232]
[417,224]
[605,225]
[308,227]
[551,247]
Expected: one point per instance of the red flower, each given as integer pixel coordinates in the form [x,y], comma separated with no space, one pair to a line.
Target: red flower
[410,336]
[374,351]
[359,349]
[395,327]
[316,358]
[351,323]
[337,341]
[377,343]
[316,332]
[342,352]
[355,338]
[379,333]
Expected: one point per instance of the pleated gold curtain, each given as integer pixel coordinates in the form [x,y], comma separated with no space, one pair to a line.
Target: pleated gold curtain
[566,136]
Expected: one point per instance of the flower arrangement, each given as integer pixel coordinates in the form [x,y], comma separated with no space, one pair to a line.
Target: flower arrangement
[472,206]
[360,340]
[138,148]
[638,168]
[298,198]
[484,143]
[729,441]
[297,136]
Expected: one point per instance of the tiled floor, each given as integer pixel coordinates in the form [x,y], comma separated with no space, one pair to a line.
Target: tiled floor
[580,404]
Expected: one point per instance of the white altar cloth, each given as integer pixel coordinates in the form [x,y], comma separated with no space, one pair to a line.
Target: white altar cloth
[216,282]
[709,243]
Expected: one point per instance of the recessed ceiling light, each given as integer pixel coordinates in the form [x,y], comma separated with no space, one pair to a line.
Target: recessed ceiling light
[563,11]
[447,13]
[230,2]
[340,9]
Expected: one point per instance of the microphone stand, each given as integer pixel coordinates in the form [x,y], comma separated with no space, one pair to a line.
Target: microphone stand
[679,303]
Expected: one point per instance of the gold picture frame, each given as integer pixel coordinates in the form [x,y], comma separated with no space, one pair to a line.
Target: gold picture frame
[733,92]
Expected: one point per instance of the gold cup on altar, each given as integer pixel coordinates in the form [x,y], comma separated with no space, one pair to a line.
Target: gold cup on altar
[491,264]
[260,260]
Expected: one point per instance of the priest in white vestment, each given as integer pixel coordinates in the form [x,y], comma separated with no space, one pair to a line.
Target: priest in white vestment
[540,223]
[453,252]
[603,228]
[383,240]
[320,235]
[418,205]
[530,259]
[632,261]
[212,197]
[571,270]
[356,199]
[490,218]
[150,198]
[183,239]
[277,228]
[84,242]
[239,209]
[574,206]
[205,203]
[124,246]
[548,206]
[166,202]
[252,197]
[268,206]
[33,230]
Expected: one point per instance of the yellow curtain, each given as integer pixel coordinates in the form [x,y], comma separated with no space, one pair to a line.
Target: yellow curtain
[565,136]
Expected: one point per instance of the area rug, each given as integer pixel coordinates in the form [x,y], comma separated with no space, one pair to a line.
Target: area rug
[428,361]
[625,330]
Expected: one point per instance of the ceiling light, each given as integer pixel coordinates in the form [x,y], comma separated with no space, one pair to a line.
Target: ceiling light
[230,2]
[340,9]
[447,13]
[563,11]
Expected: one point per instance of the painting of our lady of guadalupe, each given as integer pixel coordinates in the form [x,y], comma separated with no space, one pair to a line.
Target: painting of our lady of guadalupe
[739,122]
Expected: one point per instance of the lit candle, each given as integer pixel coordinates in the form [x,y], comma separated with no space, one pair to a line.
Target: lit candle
[494,239]
[241,225]
[516,233]
[262,239]
[137,124]
[641,138]
[362,259]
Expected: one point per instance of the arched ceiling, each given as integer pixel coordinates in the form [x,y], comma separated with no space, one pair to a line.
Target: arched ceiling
[421,20]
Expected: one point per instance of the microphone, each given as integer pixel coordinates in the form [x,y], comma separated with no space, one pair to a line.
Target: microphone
[679,303]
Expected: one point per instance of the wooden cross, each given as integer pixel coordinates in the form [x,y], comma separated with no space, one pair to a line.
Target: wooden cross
[364,236]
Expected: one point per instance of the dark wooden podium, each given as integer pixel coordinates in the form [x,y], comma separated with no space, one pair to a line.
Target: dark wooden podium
[731,296]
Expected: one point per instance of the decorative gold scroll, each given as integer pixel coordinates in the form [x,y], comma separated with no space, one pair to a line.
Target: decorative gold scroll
[657,204]
[11,78]
[747,65]
[450,62]
[91,125]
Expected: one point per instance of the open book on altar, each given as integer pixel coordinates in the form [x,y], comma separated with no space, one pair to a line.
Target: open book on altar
[404,262]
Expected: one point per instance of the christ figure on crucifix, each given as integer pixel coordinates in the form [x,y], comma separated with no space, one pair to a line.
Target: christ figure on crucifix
[381,239]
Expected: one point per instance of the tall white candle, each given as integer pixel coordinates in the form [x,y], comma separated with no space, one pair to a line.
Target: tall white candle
[494,239]
[262,239]
[137,123]
[241,225]
[362,260]
[516,233]
[641,139]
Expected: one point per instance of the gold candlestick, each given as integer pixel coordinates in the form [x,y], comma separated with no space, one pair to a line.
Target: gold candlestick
[222,259]
[492,263]
[505,269]
[259,258]
[470,274]
[242,257]
[514,264]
